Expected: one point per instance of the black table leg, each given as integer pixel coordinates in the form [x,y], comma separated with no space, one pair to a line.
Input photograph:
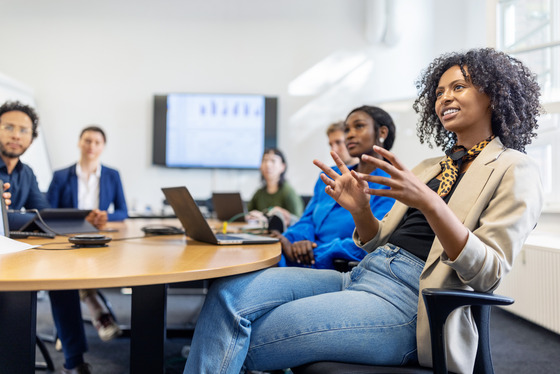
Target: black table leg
[147,333]
[18,323]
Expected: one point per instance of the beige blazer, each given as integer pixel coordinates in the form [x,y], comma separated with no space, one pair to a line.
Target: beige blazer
[499,200]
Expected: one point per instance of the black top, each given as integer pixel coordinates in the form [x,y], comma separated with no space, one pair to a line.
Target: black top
[414,233]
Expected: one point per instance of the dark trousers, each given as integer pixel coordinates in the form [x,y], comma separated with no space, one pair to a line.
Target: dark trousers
[67,316]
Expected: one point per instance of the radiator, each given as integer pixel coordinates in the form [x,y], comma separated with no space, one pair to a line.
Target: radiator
[534,283]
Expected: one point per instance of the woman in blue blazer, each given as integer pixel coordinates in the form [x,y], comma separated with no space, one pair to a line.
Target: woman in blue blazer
[89,185]
[324,232]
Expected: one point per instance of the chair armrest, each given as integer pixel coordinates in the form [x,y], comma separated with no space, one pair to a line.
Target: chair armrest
[458,298]
[441,302]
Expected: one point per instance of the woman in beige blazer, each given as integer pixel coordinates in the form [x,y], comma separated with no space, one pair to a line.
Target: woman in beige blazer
[459,222]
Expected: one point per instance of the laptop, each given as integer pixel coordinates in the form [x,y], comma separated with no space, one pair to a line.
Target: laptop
[60,221]
[228,206]
[196,226]
[4,225]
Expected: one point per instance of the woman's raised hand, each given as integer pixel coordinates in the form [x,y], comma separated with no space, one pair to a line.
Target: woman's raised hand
[346,188]
[403,185]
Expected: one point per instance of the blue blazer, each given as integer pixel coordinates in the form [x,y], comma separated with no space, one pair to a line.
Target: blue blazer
[331,226]
[63,191]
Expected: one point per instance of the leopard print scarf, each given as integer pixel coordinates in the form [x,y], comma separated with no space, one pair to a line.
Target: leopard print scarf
[450,167]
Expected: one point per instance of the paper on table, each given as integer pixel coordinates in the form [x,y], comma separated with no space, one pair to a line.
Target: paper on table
[8,245]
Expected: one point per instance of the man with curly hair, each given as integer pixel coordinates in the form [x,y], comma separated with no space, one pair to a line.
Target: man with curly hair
[459,222]
[18,129]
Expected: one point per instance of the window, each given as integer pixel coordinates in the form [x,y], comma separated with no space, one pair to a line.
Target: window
[530,31]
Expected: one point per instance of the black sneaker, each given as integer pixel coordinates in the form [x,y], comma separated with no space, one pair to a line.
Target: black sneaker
[83,368]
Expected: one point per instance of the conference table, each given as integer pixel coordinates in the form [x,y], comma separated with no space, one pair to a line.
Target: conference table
[147,264]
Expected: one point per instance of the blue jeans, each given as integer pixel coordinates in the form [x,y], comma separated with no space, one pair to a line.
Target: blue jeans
[284,317]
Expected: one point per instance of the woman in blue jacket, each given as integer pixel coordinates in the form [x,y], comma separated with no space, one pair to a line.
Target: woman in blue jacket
[324,232]
[90,185]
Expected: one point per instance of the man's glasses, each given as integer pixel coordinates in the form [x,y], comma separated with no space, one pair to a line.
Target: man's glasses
[11,128]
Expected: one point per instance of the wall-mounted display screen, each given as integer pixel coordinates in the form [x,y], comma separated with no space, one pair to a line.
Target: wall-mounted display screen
[201,130]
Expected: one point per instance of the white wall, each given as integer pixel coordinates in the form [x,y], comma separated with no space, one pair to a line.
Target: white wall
[101,62]
[37,155]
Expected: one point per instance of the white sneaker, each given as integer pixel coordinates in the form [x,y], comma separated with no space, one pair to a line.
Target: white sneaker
[106,327]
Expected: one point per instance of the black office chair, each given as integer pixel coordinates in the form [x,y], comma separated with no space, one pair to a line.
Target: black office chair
[343,265]
[439,304]
[47,364]
[306,199]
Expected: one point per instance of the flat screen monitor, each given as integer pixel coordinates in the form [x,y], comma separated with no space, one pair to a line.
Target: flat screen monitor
[201,130]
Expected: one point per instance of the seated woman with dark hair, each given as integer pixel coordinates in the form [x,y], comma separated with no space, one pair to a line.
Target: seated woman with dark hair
[324,232]
[459,222]
[276,197]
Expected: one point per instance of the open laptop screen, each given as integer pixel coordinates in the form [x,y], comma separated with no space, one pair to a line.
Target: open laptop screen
[228,205]
[4,228]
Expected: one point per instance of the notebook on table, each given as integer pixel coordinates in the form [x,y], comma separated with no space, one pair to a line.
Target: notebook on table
[228,205]
[195,224]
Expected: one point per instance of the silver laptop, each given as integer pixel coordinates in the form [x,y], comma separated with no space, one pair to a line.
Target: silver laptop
[229,206]
[4,227]
[196,226]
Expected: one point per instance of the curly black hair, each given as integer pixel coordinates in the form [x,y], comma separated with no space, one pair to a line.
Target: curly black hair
[512,88]
[11,106]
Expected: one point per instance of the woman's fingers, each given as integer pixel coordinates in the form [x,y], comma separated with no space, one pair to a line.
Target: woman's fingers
[328,181]
[339,163]
[326,169]
[303,252]
[365,178]
[389,156]
[359,177]
[380,164]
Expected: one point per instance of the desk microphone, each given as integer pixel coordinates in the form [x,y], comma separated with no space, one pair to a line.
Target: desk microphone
[162,230]
[89,240]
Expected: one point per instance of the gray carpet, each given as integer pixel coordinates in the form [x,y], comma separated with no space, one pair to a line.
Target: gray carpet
[112,357]
[518,346]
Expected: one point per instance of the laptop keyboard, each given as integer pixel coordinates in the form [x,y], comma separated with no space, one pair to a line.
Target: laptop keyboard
[26,234]
[228,237]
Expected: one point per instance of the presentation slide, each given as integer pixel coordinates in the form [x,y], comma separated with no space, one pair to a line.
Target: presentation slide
[210,130]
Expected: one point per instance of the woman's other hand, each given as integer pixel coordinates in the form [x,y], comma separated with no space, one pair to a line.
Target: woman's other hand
[287,248]
[303,252]
[403,185]
[346,188]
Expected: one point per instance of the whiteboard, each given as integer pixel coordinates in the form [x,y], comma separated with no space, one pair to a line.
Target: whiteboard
[36,155]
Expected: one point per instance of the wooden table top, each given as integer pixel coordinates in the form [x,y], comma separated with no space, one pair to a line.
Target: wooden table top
[135,261]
